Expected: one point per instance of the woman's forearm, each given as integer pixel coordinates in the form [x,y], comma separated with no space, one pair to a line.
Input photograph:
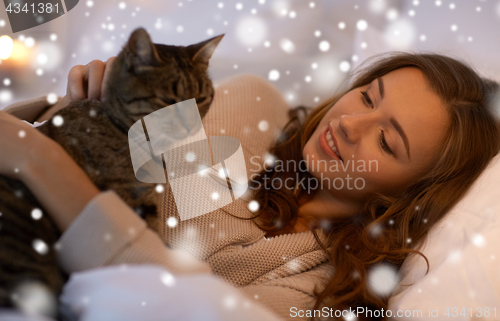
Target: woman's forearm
[59,184]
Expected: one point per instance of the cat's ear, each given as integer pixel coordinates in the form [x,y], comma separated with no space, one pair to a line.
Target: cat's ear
[141,51]
[202,51]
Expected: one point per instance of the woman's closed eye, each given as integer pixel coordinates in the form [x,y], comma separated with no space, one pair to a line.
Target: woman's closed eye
[366,99]
[383,143]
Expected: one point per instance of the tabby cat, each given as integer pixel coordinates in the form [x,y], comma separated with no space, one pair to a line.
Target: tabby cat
[144,77]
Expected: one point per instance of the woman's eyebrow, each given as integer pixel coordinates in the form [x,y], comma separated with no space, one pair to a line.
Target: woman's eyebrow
[401,132]
[381,87]
[393,121]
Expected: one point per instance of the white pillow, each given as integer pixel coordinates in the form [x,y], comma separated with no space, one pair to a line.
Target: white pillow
[464,255]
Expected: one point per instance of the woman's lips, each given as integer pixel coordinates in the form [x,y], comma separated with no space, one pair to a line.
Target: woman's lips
[323,143]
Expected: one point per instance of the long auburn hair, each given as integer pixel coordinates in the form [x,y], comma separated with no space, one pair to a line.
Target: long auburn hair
[472,140]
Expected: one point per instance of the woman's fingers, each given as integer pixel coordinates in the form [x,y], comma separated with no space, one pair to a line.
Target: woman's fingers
[88,81]
[75,90]
[95,74]
[107,72]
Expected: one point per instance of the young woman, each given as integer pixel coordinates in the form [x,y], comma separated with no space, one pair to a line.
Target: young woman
[376,166]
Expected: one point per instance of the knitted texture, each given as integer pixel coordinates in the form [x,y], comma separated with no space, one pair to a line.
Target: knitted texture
[29,110]
[279,272]
[250,109]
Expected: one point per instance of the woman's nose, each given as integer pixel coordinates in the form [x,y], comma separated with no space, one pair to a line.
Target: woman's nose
[353,126]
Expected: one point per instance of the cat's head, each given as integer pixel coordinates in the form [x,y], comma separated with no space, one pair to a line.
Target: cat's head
[146,76]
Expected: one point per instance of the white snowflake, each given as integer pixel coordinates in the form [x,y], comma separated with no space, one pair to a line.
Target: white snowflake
[222,173]
[269,160]
[190,157]
[34,298]
[362,25]
[253,206]
[382,279]
[230,302]
[172,222]
[263,125]
[52,98]
[58,121]
[167,279]
[40,246]
[274,75]
[324,46]
[376,230]
[392,14]
[345,66]
[287,45]
[29,42]
[478,240]
[36,213]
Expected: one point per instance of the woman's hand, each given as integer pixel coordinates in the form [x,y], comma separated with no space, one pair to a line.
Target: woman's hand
[84,82]
[58,183]
[89,81]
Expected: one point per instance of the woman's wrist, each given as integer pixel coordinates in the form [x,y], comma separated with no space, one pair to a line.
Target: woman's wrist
[59,184]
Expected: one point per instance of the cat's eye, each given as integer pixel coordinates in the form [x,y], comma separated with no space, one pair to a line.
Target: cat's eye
[201,100]
[165,101]
[169,101]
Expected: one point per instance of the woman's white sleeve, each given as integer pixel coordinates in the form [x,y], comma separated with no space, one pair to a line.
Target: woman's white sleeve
[109,232]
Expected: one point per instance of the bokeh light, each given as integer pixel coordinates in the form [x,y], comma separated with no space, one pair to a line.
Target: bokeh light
[251,31]
[34,298]
[400,34]
[6,47]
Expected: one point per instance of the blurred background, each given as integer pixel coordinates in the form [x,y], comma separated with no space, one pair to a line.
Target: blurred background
[304,48]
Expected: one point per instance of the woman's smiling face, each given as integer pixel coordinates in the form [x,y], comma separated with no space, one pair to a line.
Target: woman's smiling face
[395,126]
